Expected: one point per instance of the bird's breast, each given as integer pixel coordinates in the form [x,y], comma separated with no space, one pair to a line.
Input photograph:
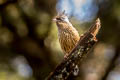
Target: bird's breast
[68,39]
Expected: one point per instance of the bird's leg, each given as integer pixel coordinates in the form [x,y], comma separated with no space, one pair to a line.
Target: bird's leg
[65,56]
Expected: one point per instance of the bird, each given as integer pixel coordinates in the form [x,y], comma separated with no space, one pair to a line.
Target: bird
[67,34]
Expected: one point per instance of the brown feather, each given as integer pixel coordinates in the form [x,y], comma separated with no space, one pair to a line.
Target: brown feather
[68,36]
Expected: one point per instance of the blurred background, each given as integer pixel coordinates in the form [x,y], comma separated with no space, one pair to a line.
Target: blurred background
[29,46]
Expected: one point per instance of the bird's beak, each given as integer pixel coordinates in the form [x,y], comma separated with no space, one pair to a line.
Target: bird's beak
[54,20]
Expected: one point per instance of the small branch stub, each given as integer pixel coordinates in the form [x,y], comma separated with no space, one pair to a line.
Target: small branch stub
[69,66]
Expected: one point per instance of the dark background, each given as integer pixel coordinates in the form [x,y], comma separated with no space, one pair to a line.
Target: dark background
[29,47]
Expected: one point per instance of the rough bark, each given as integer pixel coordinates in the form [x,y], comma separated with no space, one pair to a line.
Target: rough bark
[70,65]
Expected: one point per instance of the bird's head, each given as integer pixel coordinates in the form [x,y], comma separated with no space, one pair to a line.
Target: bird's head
[61,18]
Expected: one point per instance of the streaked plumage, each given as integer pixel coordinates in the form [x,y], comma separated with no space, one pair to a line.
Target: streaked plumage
[68,35]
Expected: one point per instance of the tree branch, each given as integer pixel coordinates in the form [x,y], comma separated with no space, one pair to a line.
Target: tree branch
[70,65]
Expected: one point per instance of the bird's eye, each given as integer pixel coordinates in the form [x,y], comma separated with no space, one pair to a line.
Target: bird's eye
[58,18]
[61,19]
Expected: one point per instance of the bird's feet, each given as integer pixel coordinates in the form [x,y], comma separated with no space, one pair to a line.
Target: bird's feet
[65,56]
